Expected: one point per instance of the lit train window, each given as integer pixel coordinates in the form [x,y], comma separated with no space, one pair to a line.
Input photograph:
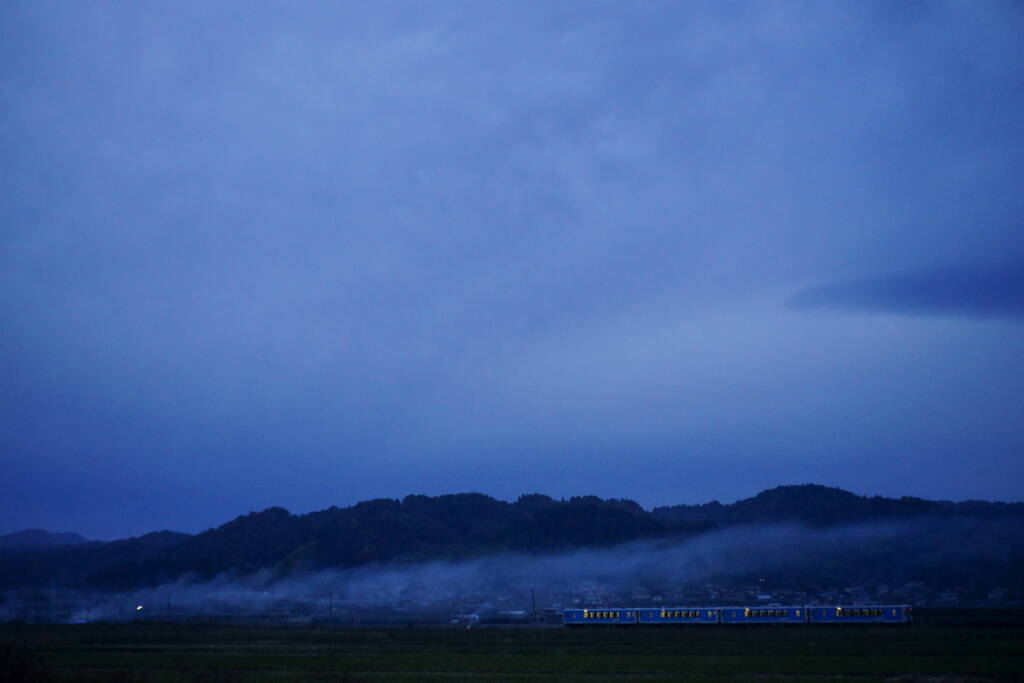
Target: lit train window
[798,612]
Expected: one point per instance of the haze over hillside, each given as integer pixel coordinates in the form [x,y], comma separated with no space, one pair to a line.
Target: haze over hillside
[799,535]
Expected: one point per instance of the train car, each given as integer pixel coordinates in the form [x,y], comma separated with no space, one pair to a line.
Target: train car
[860,614]
[677,615]
[815,614]
[600,616]
[763,615]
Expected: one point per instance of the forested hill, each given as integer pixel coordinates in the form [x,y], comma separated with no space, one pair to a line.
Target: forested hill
[453,526]
[38,538]
[824,506]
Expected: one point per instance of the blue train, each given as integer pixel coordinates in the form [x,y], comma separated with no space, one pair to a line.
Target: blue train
[800,614]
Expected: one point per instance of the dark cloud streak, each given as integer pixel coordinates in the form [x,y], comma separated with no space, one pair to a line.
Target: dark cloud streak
[992,291]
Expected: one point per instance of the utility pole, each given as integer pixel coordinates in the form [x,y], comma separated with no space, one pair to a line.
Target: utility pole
[533,598]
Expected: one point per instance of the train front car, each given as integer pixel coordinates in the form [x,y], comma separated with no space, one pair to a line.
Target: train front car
[678,615]
[860,614]
[599,616]
[764,615]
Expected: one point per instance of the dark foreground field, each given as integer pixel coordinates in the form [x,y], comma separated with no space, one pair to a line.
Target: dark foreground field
[156,653]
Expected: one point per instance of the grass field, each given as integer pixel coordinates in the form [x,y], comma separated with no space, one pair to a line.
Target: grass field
[158,653]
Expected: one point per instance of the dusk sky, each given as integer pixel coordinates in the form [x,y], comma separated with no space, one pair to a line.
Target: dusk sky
[307,254]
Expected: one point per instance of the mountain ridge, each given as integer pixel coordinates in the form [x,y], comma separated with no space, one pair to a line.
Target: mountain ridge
[452,527]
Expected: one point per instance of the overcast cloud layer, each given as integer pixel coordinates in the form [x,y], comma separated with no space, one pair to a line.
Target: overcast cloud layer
[255,254]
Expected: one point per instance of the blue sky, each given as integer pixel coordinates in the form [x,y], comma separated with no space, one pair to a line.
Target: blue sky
[258,254]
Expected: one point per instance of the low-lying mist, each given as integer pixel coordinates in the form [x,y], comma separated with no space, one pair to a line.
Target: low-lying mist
[777,556]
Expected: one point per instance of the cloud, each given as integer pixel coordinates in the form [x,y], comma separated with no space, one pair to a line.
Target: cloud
[317,241]
[989,291]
